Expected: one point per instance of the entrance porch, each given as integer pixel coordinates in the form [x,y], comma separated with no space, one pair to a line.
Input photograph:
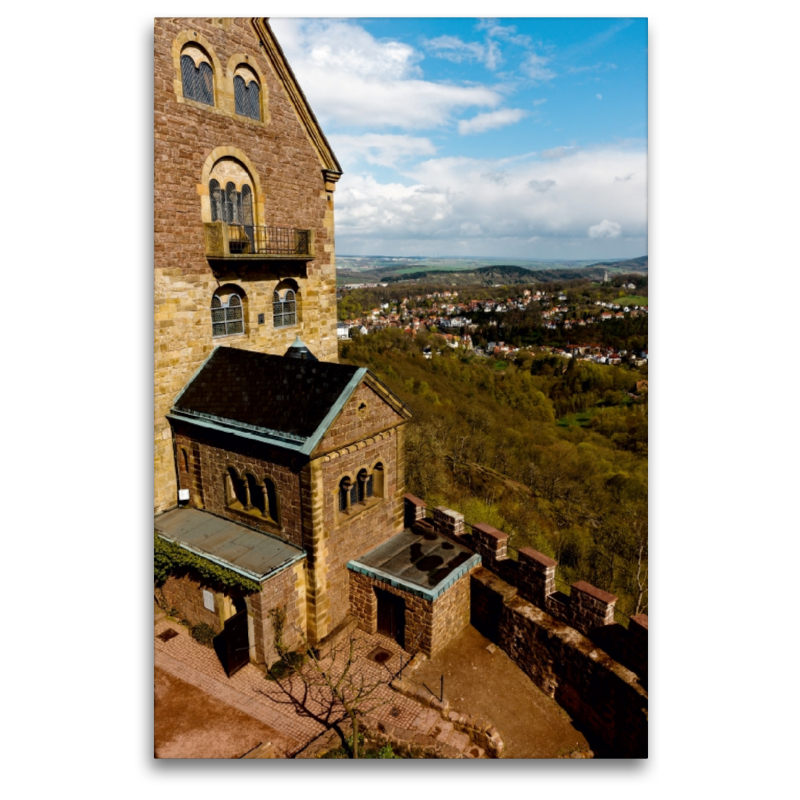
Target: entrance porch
[415,588]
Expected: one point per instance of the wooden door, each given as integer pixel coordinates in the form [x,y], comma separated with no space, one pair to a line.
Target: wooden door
[391,616]
[236,643]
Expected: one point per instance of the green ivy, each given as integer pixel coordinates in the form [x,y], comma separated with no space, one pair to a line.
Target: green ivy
[170,559]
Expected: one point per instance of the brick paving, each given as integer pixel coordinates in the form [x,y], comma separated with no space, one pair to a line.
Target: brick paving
[249,692]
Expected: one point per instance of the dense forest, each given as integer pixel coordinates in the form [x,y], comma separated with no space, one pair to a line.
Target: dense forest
[551,450]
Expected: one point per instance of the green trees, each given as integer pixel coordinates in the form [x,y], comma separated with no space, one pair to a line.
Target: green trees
[486,442]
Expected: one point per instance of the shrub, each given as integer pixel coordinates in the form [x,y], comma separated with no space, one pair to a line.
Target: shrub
[204,634]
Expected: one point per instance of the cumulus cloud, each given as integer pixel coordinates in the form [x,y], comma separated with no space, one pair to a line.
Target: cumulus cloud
[605,230]
[351,78]
[448,199]
[490,120]
[541,186]
[387,150]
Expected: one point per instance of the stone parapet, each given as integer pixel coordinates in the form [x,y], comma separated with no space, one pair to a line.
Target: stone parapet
[533,575]
[448,522]
[590,607]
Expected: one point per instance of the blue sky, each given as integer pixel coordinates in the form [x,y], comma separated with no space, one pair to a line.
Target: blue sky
[524,138]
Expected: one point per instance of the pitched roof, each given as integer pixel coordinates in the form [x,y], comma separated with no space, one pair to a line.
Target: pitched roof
[287,402]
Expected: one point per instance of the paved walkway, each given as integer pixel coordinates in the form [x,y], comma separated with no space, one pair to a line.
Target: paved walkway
[249,692]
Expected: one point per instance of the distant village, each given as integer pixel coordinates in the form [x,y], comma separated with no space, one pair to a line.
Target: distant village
[445,314]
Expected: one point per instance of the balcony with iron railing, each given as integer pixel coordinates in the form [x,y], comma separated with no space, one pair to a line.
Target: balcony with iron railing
[235,242]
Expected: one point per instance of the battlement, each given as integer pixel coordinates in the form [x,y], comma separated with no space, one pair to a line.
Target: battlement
[586,608]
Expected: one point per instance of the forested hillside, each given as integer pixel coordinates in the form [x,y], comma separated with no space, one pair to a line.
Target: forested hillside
[553,451]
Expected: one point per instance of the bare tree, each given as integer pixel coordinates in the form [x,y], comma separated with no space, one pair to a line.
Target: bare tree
[327,685]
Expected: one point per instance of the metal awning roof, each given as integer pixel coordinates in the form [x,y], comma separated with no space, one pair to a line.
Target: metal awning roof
[255,555]
[424,564]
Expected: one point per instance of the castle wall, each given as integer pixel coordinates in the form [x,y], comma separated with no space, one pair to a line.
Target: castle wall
[286,589]
[290,192]
[603,696]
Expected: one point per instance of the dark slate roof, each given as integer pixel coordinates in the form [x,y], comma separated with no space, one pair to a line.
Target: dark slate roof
[255,555]
[424,564]
[289,401]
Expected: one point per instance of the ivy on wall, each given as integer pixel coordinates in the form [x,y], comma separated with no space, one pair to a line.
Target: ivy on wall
[170,559]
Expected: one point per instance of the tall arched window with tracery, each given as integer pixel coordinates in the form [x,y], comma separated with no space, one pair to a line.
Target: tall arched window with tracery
[247,93]
[197,75]
[235,207]
[227,315]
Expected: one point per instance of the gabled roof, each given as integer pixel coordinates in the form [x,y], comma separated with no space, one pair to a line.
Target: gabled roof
[282,401]
[284,72]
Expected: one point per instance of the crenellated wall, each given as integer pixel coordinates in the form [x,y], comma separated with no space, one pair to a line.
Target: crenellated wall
[569,646]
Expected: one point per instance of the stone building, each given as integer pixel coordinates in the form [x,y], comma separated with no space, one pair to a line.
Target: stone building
[279,473]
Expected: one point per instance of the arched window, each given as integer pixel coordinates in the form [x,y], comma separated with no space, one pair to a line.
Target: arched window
[247,94]
[236,208]
[364,486]
[236,490]
[284,309]
[227,316]
[376,481]
[197,76]
[258,499]
[348,494]
[217,209]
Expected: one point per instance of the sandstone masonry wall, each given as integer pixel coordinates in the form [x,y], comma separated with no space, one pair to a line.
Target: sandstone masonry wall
[290,191]
[286,589]
[605,697]
[209,461]
[429,625]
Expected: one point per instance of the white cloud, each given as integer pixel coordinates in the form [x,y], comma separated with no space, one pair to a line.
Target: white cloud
[599,97]
[454,49]
[490,120]
[605,230]
[534,67]
[540,101]
[387,150]
[509,200]
[351,78]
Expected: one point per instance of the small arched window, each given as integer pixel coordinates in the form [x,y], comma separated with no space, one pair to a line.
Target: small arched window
[247,94]
[284,309]
[376,481]
[348,494]
[197,77]
[227,317]
[258,500]
[236,490]
[364,486]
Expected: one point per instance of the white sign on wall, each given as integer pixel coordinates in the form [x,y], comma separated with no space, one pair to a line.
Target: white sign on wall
[208,600]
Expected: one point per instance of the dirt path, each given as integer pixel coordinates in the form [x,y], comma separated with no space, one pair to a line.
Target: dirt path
[191,724]
[489,685]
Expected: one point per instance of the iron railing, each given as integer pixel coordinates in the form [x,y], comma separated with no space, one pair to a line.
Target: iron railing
[225,240]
